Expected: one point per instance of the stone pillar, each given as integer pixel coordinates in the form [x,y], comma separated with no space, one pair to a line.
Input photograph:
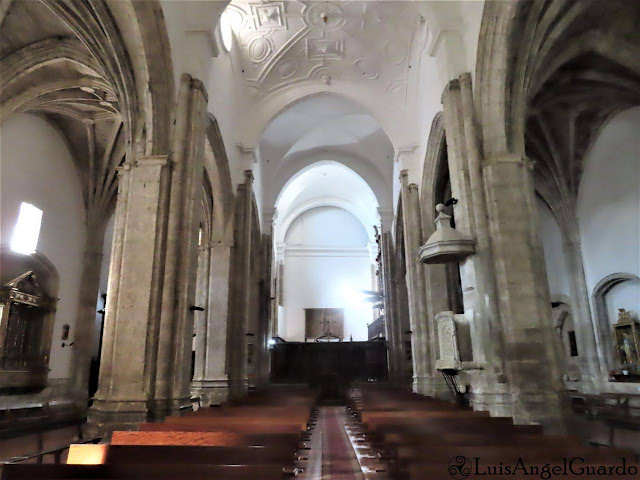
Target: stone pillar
[85,323]
[266,295]
[524,302]
[253,326]
[240,287]
[394,341]
[173,374]
[128,355]
[211,382]
[488,382]
[584,322]
[412,227]
[402,328]
[200,321]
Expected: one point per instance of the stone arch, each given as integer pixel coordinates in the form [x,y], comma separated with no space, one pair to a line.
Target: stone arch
[323,202]
[130,43]
[274,105]
[604,337]
[217,170]
[433,171]
[522,45]
[352,162]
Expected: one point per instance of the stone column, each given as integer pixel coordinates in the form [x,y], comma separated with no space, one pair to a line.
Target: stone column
[201,317]
[265,310]
[584,322]
[172,377]
[253,325]
[412,227]
[85,323]
[211,381]
[488,382]
[402,328]
[394,341]
[133,303]
[524,302]
[240,287]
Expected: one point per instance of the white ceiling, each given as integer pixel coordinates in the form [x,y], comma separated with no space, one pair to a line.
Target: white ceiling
[286,43]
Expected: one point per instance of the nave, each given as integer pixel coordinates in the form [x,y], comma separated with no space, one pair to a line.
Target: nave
[372,433]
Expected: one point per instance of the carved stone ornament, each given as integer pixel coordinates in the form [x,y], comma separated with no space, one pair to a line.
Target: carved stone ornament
[448,342]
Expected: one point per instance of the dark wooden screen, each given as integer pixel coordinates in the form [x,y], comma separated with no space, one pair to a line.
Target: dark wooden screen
[299,362]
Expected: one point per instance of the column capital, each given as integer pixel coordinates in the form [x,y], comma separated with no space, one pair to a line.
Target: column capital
[508,158]
[220,244]
[386,218]
[453,84]
[150,161]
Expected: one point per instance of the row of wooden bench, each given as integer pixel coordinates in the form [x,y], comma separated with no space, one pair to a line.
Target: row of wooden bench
[422,438]
[262,439]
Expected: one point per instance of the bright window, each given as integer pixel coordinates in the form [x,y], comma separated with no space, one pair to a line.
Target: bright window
[226,32]
[25,235]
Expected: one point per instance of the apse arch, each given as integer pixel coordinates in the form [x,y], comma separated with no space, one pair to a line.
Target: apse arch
[310,205]
[318,128]
[274,105]
[325,183]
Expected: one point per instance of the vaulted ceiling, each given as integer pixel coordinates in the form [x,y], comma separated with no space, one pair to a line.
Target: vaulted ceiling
[292,42]
[47,70]
[579,66]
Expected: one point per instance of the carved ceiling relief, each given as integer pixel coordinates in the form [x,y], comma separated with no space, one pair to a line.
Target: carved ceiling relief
[286,43]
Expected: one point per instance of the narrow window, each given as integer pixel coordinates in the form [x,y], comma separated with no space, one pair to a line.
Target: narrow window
[27,230]
[573,346]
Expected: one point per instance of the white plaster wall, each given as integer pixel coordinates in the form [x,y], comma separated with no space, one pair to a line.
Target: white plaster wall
[554,257]
[36,167]
[609,208]
[326,281]
[229,99]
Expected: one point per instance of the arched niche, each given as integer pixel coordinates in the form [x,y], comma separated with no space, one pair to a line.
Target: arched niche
[436,188]
[602,321]
[567,345]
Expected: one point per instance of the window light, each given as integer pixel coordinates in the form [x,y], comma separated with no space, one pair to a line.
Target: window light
[226,31]
[27,230]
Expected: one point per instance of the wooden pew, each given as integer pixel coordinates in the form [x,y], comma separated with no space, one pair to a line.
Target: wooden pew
[167,436]
[89,454]
[418,437]
[141,471]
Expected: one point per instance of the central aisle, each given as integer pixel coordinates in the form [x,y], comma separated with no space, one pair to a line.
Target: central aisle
[332,456]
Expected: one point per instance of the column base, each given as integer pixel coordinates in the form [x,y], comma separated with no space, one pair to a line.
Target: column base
[431,387]
[498,404]
[544,408]
[211,392]
[105,416]
[239,390]
[160,408]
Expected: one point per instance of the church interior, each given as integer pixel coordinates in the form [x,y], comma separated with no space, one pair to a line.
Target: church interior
[337,240]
